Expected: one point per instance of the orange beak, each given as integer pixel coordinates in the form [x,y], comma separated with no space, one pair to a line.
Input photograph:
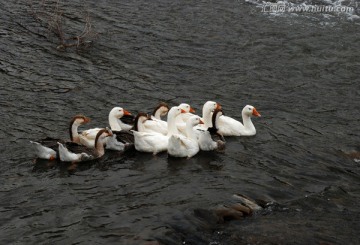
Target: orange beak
[183,111]
[256,113]
[218,106]
[201,122]
[192,110]
[126,113]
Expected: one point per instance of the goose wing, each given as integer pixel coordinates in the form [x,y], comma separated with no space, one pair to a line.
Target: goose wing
[128,119]
[124,136]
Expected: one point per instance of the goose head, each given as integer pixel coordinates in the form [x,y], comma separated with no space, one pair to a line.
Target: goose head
[102,134]
[79,120]
[186,108]
[119,112]
[174,112]
[140,119]
[195,120]
[162,109]
[210,106]
[250,111]
[75,122]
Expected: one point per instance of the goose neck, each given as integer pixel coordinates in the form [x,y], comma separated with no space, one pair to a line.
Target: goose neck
[74,135]
[157,114]
[190,131]
[114,123]
[207,118]
[99,146]
[172,129]
[247,122]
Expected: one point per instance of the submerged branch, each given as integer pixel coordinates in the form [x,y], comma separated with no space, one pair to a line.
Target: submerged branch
[50,14]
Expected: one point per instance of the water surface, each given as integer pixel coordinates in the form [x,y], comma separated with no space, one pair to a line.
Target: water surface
[301,72]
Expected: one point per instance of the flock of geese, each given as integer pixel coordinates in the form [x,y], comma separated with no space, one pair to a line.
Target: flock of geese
[183,134]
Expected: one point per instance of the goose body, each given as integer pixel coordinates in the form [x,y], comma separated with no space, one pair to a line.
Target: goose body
[231,127]
[44,152]
[210,139]
[48,149]
[151,141]
[121,134]
[79,153]
[124,126]
[156,124]
[185,146]
[68,156]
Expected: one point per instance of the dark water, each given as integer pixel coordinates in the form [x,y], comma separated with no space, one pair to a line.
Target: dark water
[301,71]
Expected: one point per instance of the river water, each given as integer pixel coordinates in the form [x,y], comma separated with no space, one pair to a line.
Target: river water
[300,70]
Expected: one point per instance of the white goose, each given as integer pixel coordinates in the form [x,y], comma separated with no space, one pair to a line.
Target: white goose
[208,108]
[185,146]
[210,139]
[48,149]
[79,153]
[207,111]
[188,112]
[183,117]
[156,124]
[151,141]
[119,138]
[231,127]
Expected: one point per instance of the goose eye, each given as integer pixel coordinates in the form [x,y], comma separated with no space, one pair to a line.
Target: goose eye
[249,109]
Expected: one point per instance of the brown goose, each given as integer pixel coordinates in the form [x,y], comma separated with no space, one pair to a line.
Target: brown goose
[79,153]
[160,110]
[48,148]
[156,124]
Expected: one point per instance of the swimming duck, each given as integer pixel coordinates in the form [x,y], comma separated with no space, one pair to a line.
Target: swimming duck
[174,112]
[151,141]
[210,139]
[120,138]
[146,141]
[231,127]
[157,124]
[185,146]
[48,149]
[79,153]
[208,108]
[183,117]
[160,111]
[188,112]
